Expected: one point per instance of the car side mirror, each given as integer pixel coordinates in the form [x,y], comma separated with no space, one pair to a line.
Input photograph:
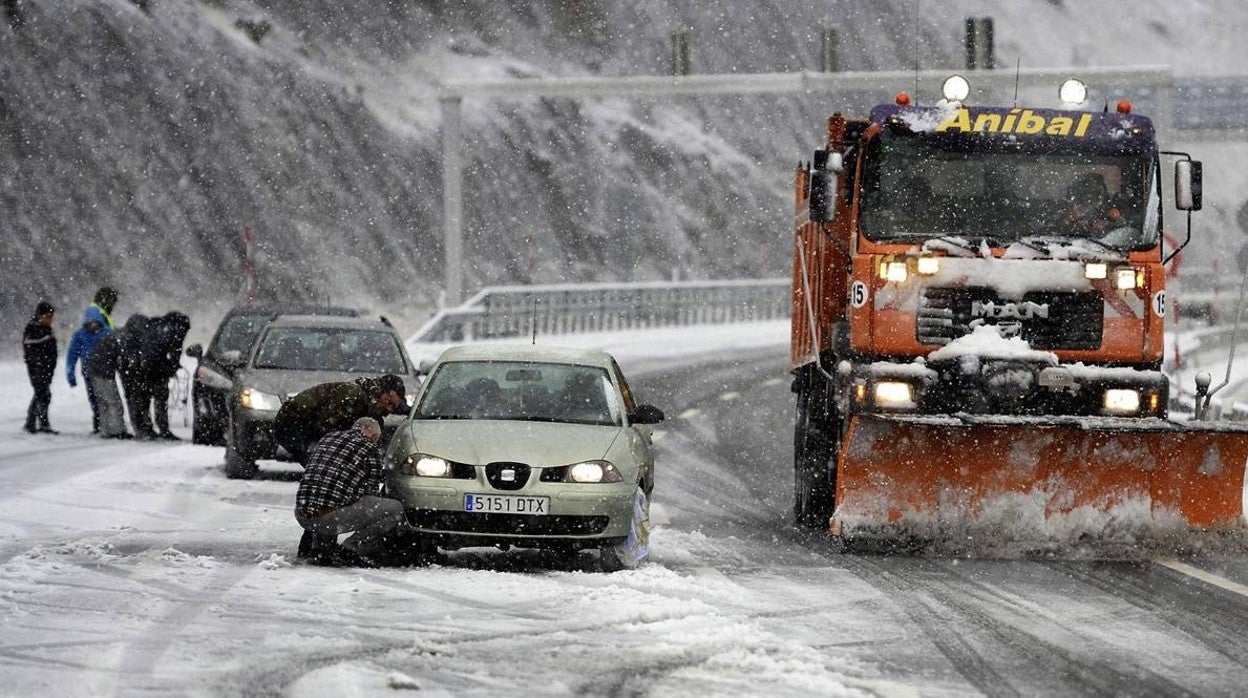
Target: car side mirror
[195,351]
[646,414]
[232,358]
[1187,185]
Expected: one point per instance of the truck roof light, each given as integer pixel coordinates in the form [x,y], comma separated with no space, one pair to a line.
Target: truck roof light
[1073,92]
[1124,106]
[902,99]
[955,88]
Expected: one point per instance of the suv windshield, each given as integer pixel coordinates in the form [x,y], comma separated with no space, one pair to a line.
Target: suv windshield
[238,332]
[539,392]
[319,349]
[915,189]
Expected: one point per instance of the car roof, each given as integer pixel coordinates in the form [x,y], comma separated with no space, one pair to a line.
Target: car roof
[331,322]
[526,352]
[320,310]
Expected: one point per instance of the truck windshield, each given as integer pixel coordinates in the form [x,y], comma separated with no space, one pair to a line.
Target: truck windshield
[915,189]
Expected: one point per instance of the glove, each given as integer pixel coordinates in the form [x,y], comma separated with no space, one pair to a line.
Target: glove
[73,382]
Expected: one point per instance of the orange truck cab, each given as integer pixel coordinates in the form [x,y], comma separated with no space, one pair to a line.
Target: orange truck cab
[970,260]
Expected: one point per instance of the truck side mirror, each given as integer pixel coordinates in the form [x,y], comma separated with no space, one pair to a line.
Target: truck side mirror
[1187,185]
[823,185]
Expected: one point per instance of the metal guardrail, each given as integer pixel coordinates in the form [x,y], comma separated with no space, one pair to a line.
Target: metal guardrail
[514,311]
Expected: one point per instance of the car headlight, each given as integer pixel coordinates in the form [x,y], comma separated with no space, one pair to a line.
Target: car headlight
[1122,401]
[594,471]
[255,399]
[894,394]
[426,465]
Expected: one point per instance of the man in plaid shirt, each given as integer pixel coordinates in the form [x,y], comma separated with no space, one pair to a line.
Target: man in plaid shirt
[339,494]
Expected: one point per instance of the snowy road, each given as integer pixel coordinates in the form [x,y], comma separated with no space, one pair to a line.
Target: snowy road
[131,569]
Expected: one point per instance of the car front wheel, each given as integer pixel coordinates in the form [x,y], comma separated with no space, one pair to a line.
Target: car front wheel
[238,466]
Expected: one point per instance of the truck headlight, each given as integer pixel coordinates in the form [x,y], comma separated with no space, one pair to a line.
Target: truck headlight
[1122,401]
[1124,279]
[1096,270]
[894,394]
[895,272]
[255,399]
[927,266]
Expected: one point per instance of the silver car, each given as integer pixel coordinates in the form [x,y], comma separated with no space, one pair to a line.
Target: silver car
[294,353]
[529,447]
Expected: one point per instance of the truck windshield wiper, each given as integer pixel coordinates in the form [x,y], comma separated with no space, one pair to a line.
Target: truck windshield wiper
[956,242]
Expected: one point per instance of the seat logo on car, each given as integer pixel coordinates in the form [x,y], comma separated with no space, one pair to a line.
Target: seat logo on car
[507,475]
[1017,311]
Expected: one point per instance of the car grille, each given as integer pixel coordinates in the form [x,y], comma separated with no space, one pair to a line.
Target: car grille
[507,476]
[517,524]
[1075,320]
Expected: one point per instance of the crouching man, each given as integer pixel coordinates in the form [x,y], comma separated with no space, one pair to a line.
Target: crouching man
[339,493]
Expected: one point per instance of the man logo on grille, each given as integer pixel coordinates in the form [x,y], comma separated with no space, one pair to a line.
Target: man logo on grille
[1014,311]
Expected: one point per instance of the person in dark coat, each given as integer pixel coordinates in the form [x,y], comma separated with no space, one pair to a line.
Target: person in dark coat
[95,327]
[151,356]
[101,371]
[313,413]
[39,350]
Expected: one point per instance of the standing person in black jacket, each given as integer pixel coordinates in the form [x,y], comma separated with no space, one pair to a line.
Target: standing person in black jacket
[151,351]
[162,359]
[39,350]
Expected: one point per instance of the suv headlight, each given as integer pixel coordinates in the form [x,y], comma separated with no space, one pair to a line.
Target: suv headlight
[255,399]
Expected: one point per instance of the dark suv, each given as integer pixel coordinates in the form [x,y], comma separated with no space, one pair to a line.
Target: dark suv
[294,353]
[214,375]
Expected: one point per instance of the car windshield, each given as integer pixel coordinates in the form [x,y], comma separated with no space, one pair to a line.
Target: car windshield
[518,390]
[238,332]
[320,349]
[915,190]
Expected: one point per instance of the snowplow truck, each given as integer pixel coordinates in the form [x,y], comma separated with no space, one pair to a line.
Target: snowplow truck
[977,330]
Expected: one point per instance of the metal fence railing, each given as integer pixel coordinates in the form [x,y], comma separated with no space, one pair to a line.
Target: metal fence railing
[516,311]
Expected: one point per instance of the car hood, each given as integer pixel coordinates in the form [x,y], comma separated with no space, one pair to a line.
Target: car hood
[286,383]
[478,442]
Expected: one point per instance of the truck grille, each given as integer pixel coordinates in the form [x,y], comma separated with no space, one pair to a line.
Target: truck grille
[1047,320]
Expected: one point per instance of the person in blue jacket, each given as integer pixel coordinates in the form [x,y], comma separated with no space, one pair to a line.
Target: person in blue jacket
[95,327]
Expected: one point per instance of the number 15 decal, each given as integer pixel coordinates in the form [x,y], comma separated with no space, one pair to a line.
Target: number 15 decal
[858,294]
[1159,303]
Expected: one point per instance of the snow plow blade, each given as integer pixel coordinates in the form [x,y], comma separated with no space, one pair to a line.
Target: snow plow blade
[1037,478]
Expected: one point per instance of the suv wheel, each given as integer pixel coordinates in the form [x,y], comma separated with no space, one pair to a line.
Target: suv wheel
[237,466]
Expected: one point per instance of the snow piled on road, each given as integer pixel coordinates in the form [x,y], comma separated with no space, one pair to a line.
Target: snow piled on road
[140,568]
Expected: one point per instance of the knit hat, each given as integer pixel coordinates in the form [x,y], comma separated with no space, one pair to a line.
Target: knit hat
[44,308]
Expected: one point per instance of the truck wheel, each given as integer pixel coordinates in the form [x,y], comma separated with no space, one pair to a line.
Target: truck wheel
[814,451]
[238,466]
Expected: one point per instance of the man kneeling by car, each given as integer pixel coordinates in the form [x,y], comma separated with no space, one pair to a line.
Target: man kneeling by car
[339,494]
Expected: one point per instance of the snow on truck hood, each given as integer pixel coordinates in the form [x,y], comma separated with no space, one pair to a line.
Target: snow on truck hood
[478,441]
